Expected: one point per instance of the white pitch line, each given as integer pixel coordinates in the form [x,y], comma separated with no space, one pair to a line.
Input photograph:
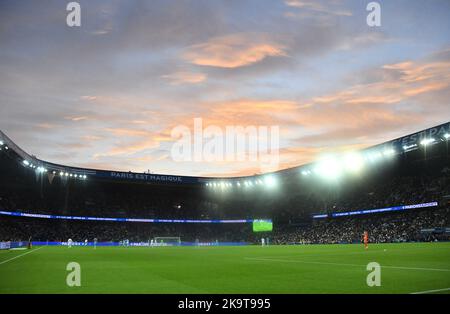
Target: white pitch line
[342,264]
[430,291]
[13,258]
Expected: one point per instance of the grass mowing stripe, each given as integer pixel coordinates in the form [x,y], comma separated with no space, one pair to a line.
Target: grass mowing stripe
[342,264]
[13,258]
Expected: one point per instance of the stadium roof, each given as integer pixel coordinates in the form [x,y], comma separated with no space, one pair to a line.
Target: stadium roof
[400,145]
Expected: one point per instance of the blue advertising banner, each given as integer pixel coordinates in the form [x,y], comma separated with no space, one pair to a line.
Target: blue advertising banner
[195,221]
[377,210]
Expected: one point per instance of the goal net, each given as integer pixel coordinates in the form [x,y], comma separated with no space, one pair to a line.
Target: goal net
[167,240]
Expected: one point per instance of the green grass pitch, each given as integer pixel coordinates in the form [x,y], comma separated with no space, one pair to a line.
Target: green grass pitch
[405,268]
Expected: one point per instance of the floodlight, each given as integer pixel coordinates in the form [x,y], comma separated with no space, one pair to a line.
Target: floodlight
[26,162]
[270,180]
[446,136]
[374,157]
[426,141]
[353,162]
[1,143]
[329,168]
[389,152]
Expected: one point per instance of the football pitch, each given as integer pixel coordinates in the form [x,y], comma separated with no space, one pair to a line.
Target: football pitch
[405,268]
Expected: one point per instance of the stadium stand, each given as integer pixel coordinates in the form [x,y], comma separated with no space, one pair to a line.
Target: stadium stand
[411,177]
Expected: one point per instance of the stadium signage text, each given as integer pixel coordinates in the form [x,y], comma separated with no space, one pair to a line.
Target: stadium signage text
[145,177]
[415,138]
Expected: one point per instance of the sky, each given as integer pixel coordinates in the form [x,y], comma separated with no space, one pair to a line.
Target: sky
[109,94]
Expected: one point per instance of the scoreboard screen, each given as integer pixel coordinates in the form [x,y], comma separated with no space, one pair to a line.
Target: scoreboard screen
[262,225]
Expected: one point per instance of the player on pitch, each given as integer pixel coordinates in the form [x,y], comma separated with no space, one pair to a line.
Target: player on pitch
[366,239]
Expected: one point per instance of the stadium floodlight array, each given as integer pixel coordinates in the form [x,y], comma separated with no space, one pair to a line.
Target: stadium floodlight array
[29,164]
[266,181]
[41,169]
[71,175]
[430,141]
[334,167]
[427,141]
[3,145]
[331,168]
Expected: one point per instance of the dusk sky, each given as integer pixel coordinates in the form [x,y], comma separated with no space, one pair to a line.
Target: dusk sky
[108,94]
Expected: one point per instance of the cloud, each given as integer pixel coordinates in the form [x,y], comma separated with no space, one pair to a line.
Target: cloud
[364,114]
[233,51]
[317,74]
[75,119]
[129,148]
[130,132]
[87,97]
[47,126]
[316,7]
[178,78]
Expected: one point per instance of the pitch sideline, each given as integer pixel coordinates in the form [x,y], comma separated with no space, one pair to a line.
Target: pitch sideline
[13,258]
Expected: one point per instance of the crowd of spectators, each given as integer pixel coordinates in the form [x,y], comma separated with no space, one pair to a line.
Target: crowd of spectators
[406,226]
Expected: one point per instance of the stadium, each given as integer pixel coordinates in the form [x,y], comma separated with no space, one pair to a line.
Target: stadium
[220,155]
[298,230]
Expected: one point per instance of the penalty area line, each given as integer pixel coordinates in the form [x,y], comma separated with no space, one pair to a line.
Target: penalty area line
[13,258]
[341,264]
